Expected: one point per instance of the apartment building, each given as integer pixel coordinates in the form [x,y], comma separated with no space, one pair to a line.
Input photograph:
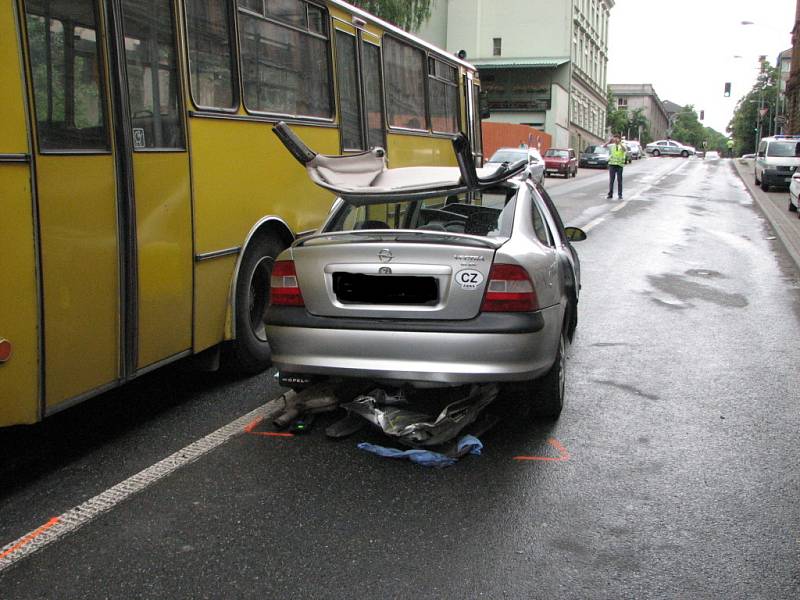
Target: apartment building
[631,96]
[542,62]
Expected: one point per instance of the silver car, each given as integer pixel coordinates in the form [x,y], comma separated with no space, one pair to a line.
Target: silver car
[536,164]
[668,148]
[429,276]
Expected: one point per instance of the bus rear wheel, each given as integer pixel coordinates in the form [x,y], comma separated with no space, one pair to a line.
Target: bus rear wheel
[250,352]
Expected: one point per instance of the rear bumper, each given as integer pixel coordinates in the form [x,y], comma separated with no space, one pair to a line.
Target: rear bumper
[443,352]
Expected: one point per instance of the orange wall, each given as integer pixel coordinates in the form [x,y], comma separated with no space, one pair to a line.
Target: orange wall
[503,135]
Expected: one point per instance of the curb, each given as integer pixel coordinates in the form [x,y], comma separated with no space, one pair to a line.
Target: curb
[786,228]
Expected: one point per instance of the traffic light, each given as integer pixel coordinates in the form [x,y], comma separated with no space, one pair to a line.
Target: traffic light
[702,115]
[727,89]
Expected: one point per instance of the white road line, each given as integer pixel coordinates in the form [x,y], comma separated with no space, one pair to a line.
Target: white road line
[80,515]
[593,223]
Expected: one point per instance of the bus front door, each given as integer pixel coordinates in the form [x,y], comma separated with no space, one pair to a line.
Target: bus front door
[76,199]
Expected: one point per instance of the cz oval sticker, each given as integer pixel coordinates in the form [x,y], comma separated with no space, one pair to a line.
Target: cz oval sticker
[469,279]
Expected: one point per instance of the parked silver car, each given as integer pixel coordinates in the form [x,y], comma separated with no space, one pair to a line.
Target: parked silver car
[511,155]
[668,148]
[428,276]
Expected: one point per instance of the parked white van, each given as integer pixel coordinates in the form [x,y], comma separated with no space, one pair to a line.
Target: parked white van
[777,159]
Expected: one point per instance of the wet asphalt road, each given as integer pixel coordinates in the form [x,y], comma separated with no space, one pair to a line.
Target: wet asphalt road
[678,449]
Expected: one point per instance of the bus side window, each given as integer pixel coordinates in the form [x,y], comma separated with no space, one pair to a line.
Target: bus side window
[67,88]
[211,53]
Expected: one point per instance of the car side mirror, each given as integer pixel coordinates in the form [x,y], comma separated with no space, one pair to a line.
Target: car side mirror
[762,154]
[575,234]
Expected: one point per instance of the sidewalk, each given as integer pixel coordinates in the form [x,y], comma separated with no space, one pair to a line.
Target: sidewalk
[774,206]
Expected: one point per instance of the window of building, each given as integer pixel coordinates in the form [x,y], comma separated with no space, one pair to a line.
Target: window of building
[285,58]
[622,103]
[443,96]
[210,53]
[497,46]
[404,70]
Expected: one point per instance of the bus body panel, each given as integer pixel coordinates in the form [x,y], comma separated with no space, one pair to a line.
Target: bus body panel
[231,161]
[19,310]
[80,270]
[406,150]
[19,379]
[164,254]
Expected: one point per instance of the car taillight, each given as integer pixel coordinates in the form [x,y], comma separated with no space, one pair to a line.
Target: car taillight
[284,289]
[509,290]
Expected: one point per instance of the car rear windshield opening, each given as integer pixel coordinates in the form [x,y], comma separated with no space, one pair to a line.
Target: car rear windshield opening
[488,214]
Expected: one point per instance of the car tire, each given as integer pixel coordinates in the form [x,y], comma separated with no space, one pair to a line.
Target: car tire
[792,207]
[548,390]
[250,352]
[656,153]
[764,185]
[685,154]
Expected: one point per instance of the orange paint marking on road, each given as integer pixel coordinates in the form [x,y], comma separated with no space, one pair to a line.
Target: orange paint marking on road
[30,537]
[254,423]
[563,454]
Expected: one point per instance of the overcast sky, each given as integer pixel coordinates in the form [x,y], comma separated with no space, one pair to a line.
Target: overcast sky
[686,48]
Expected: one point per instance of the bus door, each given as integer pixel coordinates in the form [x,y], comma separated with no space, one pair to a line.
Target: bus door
[112,191]
[155,148]
[76,195]
[359,84]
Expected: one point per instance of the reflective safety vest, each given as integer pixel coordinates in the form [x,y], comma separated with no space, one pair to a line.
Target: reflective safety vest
[617,155]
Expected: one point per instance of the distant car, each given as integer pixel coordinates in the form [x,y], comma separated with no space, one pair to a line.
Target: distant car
[712,154]
[669,148]
[595,156]
[634,149]
[512,155]
[560,160]
[419,278]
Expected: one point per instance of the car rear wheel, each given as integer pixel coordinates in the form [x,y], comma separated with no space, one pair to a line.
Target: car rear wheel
[684,154]
[549,390]
[764,185]
[656,153]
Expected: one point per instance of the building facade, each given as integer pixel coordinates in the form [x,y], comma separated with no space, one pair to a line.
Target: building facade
[543,63]
[793,84]
[631,96]
[784,66]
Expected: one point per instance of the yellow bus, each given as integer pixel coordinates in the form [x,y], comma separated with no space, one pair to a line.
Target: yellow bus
[142,194]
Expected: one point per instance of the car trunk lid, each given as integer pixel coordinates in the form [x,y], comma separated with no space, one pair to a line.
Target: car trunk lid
[397,275]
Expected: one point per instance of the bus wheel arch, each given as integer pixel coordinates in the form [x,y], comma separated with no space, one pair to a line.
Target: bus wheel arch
[248,350]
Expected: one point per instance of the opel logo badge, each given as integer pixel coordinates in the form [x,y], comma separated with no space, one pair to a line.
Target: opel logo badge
[385,255]
[385,270]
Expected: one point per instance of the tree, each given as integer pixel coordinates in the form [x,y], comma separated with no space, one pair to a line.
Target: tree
[687,128]
[748,122]
[616,118]
[406,14]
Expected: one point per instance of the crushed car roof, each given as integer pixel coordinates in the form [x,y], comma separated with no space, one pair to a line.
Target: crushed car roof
[364,178]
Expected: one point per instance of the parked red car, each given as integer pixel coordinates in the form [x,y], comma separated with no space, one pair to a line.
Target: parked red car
[560,160]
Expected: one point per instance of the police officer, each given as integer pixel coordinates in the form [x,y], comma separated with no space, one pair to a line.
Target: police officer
[730,143]
[615,164]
